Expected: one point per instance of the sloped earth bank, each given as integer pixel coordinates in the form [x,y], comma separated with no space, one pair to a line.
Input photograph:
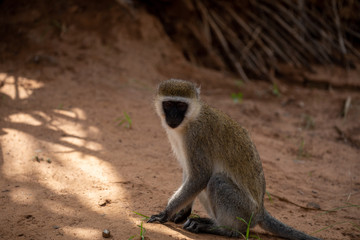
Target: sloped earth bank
[69,70]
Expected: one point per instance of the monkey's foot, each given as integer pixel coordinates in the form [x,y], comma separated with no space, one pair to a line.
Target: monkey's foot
[206,225]
[161,218]
[197,225]
[181,216]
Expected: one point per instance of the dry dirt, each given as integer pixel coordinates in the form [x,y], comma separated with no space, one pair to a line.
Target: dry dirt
[69,70]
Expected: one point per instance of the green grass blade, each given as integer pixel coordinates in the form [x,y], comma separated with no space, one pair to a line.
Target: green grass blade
[342,207]
[121,123]
[141,229]
[248,227]
[276,90]
[330,226]
[142,215]
[128,119]
[255,236]
[246,236]
[356,226]
[229,228]
[269,196]
[241,219]
[237,97]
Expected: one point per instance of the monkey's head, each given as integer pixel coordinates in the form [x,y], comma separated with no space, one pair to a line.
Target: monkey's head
[177,102]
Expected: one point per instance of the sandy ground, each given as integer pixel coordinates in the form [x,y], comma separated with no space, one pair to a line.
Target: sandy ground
[69,71]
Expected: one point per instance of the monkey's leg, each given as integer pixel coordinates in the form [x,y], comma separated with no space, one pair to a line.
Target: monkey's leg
[182,215]
[224,201]
[182,198]
[207,225]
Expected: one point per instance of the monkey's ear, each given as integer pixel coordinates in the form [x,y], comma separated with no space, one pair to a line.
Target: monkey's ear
[198,91]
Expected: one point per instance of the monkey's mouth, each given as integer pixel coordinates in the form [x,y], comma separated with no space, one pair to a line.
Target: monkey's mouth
[173,123]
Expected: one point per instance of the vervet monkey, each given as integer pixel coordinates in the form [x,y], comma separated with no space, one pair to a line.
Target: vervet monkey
[220,165]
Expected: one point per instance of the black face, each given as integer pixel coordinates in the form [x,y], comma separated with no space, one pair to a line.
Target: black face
[174,112]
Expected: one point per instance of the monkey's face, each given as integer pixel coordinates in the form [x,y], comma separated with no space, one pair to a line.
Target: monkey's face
[174,112]
[177,103]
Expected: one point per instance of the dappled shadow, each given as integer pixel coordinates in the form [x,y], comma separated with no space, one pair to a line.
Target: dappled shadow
[63,156]
[61,151]
[52,171]
[67,168]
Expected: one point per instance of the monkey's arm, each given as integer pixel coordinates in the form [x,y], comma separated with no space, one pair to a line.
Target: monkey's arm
[183,214]
[182,198]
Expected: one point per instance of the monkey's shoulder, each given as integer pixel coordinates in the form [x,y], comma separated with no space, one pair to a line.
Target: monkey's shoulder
[216,130]
[219,121]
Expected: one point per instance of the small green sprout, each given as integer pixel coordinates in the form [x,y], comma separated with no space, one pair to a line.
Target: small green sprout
[142,229]
[142,215]
[336,224]
[302,153]
[269,196]
[348,205]
[246,236]
[237,97]
[126,119]
[142,232]
[275,90]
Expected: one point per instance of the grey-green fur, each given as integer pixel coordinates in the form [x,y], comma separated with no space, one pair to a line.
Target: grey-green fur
[221,166]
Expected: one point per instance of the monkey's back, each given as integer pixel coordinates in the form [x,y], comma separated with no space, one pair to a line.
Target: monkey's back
[231,147]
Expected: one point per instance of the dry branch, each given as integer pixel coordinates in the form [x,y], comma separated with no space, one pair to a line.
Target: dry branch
[252,37]
[226,48]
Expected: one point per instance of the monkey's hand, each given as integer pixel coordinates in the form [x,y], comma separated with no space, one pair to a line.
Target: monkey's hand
[161,218]
[181,216]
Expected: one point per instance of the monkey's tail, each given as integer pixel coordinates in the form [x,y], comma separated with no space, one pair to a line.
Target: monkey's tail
[273,225]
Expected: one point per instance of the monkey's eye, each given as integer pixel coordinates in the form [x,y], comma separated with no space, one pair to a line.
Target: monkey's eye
[168,104]
[181,106]
[175,105]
